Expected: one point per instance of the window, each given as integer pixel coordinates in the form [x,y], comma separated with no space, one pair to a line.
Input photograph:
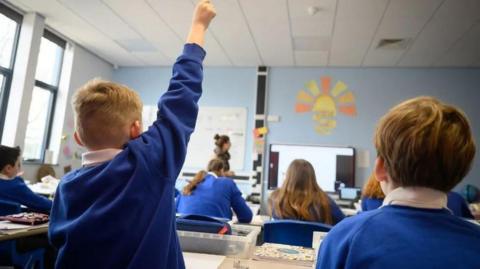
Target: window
[9,31]
[40,115]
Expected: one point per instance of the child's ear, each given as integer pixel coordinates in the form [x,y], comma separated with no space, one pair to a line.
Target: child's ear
[135,129]
[77,139]
[6,169]
[380,171]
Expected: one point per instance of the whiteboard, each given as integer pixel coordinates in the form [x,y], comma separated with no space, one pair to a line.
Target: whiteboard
[325,160]
[231,121]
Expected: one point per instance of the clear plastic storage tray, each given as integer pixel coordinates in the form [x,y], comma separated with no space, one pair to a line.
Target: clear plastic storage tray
[240,244]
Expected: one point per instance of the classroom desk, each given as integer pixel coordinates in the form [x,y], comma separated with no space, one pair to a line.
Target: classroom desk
[349,212]
[207,261]
[19,233]
[42,189]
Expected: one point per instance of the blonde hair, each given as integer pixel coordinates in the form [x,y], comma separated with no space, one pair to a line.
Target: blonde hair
[372,188]
[103,113]
[425,143]
[300,197]
[215,165]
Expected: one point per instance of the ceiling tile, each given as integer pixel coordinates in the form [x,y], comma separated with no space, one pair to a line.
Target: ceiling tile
[452,20]
[318,24]
[177,14]
[403,19]
[141,17]
[271,33]
[231,30]
[354,29]
[311,58]
[69,24]
[465,52]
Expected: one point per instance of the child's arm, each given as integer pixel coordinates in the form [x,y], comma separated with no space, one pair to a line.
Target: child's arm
[239,206]
[203,15]
[165,143]
[23,195]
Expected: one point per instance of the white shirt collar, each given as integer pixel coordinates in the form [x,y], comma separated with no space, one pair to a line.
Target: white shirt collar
[99,156]
[3,176]
[419,197]
[213,174]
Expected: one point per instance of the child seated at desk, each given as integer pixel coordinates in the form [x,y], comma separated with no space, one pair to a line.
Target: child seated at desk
[424,149]
[212,194]
[13,190]
[12,187]
[300,197]
[372,194]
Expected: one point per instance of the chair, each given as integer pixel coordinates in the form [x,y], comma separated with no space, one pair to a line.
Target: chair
[8,249]
[292,232]
[203,224]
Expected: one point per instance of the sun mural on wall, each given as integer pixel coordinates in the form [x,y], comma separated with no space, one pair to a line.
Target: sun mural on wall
[325,103]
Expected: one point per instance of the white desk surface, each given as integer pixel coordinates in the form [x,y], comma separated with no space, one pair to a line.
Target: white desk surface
[207,261]
[43,189]
[349,212]
[204,261]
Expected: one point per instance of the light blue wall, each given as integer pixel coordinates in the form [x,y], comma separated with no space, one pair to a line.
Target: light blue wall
[376,90]
[223,87]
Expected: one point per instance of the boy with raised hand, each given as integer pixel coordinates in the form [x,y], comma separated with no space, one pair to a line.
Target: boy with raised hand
[425,148]
[118,210]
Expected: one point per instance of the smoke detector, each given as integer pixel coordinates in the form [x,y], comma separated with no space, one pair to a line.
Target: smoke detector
[312,10]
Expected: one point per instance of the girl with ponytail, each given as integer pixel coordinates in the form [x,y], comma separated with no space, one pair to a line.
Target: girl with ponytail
[209,193]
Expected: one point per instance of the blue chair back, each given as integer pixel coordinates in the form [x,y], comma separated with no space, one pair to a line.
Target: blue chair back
[292,232]
[203,224]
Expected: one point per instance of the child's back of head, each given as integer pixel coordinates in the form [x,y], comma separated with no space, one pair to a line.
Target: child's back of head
[425,143]
[104,114]
[8,156]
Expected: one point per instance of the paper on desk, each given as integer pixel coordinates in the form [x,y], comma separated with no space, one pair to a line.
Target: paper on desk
[7,225]
[204,261]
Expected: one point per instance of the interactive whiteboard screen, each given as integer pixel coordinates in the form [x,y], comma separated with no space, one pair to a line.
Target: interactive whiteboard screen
[333,165]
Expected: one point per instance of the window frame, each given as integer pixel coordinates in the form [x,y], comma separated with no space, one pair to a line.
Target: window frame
[54,91]
[8,72]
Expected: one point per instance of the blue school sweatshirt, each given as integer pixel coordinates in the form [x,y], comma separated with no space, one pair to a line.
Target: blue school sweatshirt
[215,197]
[17,192]
[335,211]
[371,203]
[121,213]
[458,205]
[402,237]
[455,203]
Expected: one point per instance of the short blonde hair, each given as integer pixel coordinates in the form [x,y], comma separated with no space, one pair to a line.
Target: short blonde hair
[103,113]
[425,143]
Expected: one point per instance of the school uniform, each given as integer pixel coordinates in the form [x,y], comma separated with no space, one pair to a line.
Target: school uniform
[335,211]
[17,192]
[370,203]
[118,210]
[455,203]
[413,229]
[215,197]
[459,207]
